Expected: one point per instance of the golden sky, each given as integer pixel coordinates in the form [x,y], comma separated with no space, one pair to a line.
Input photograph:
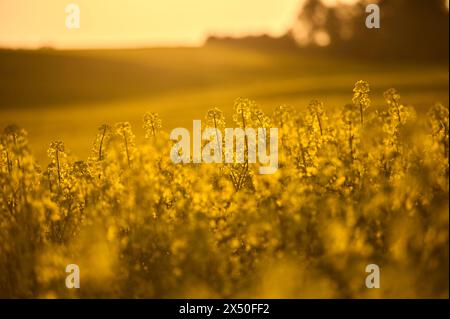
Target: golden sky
[133,23]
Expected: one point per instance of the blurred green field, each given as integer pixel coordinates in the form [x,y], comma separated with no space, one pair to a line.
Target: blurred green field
[66,95]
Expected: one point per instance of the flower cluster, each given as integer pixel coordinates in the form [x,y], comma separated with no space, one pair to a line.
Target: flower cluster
[355,186]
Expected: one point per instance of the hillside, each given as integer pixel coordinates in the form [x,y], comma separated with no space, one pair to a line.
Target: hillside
[76,91]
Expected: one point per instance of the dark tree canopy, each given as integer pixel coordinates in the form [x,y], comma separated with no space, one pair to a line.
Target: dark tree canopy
[414,29]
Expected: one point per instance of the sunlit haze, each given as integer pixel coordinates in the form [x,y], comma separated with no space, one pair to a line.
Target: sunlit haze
[130,23]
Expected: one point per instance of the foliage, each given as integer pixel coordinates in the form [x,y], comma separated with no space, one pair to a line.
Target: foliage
[355,186]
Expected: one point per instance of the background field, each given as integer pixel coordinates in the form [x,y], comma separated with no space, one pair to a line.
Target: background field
[66,95]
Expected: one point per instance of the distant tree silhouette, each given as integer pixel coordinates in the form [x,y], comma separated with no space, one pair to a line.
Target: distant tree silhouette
[414,29]
[261,42]
[311,21]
